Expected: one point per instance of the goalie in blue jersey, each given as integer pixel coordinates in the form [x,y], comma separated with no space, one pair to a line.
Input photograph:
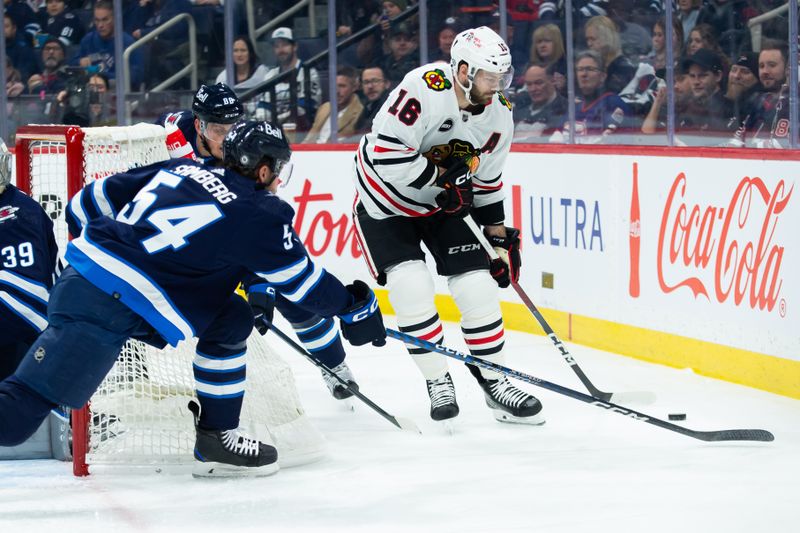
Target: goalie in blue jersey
[158,259]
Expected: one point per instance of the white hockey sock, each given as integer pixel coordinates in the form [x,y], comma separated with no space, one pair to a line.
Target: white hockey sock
[411,294]
[476,296]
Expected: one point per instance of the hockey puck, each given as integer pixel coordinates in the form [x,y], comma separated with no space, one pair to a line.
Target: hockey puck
[677,416]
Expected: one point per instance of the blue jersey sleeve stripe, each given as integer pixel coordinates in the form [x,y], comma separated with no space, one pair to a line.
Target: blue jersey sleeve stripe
[286,274]
[27,286]
[101,200]
[143,296]
[307,285]
[75,209]
[27,313]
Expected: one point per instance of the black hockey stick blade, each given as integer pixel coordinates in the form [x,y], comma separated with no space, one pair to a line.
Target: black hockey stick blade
[641,397]
[711,436]
[403,423]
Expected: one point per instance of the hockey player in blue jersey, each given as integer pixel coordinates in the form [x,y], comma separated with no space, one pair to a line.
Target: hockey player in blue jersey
[28,253]
[181,237]
[196,134]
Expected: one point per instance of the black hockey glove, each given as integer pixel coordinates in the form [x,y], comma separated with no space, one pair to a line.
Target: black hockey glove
[456,198]
[362,321]
[505,269]
[262,302]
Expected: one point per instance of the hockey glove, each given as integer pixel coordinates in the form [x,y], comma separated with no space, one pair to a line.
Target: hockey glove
[262,302]
[362,321]
[505,269]
[456,198]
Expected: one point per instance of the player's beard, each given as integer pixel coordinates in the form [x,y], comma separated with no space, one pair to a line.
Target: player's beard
[478,98]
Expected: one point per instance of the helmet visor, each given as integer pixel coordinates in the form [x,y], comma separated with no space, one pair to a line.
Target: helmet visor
[494,81]
[213,131]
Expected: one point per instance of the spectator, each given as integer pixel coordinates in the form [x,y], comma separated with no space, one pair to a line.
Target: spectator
[704,36]
[547,49]
[729,20]
[523,15]
[658,55]
[18,49]
[51,79]
[743,85]
[14,84]
[656,119]
[635,39]
[402,56]
[24,18]
[706,112]
[285,48]
[376,90]
[353,16]
[349,105]
[767,124]
[602,37]
[582,10]
[540,110]
[247,69]
[444,40]
[100,113]
[58,22]
[97,46]
[688,12]
[598,111]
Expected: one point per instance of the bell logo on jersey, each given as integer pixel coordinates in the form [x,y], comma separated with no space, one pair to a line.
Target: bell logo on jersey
[436,80]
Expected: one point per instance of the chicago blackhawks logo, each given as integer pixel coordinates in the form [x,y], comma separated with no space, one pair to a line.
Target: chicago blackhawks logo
[503,100]
[446,154]
[436,80]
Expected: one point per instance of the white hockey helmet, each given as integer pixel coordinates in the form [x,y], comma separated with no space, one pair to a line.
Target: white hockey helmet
[5,166]
[481,49]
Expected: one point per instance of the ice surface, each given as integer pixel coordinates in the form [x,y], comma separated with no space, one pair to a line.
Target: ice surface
[584,470]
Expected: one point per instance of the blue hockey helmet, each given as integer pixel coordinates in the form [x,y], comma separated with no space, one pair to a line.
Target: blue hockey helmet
[251,143]
[217,103]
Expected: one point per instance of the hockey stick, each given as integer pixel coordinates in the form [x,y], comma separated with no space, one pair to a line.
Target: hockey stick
[402,423]
[643,397]
[710,436]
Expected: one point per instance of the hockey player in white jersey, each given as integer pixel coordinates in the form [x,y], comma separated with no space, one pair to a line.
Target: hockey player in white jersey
[417,175]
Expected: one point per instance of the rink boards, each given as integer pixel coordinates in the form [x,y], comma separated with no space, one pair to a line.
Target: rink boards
[705,277]
[684,257]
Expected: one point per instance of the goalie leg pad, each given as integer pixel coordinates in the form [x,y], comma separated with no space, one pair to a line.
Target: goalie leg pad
[220,365]
[411,294]
[477,297]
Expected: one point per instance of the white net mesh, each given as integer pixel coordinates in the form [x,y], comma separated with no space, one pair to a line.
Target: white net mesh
[139,413]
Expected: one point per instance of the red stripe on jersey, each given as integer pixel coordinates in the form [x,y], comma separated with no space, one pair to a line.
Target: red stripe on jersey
[489,187]
[380,149]
[485,340]
[383,193]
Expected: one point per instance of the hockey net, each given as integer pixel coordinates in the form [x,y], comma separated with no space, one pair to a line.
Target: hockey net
[139,415]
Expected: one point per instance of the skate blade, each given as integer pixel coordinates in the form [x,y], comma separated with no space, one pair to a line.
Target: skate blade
[222,470]
[535,420]
[347,404]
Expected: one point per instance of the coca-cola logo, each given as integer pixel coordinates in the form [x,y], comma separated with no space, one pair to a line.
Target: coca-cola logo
[325,228]
[731,247]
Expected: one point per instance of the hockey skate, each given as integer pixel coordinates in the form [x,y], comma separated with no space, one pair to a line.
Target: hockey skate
[507,402]
[443,399]
[337,389]
[230,453]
